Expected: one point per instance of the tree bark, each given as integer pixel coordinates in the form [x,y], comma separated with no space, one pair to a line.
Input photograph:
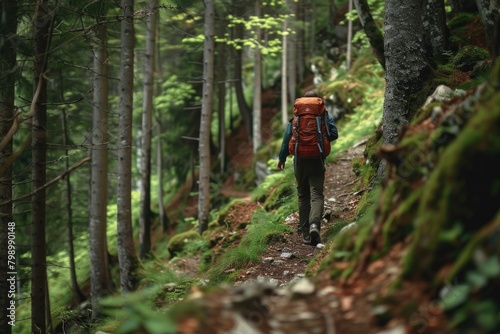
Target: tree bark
[407,67]
[206,117]
[257,92]
[489,11]
[100,284]
[292,57]
[434,23]
[42,21]
[8,50]
[284,86]
[75,289]
[221,108]
[147,126]
[246,114]
[127,256]
[371,29]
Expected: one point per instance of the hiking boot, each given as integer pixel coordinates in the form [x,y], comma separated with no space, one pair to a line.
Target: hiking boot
[306,238]
[314,234]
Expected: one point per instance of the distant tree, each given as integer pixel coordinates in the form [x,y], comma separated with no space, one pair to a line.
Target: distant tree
[489,11]
[434,23]
[375,37]
[75,288]
[407,62]
[127,257]
[245,111]
[206,117]
[257,92]
[100,283]
[147,127]
[8,50]
[41,28]
[291,71]
[284,86]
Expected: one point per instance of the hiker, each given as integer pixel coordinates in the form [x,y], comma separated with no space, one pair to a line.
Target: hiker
[307,138]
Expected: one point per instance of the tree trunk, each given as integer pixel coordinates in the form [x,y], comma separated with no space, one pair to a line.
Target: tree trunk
[407,65]
[100,284]
[349,40]
[159,171]
[489,11]
[292,57]
[301,45]
[371,29]
[8,29]
[221,77]
[246,114]
[75,289]
[42,21]
[257,91]
[434,23]
[284,93]
[127,256]
[206,116]
[147,126]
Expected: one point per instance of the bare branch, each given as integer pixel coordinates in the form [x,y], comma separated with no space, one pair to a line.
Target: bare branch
[48,184]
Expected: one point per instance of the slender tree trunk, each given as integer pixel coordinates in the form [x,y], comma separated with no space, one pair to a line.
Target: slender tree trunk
[292,58]
[257,91]
[349,40]
[75,289]
[206,118]
[100,283]
[42,21]
[159,171]
[371,29]
[8,30]
[434,23]
[147,127]
[312,34]
[159,147]
[284,65]
[127,256]
[489,11]
[301,44]
[246,114]
[221,75]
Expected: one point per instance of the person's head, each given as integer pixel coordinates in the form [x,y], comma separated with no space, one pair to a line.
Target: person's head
[311,93]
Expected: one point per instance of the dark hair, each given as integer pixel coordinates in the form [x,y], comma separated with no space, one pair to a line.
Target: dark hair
[311,93]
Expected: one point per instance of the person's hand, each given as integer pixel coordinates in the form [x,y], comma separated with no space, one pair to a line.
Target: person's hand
[281,165]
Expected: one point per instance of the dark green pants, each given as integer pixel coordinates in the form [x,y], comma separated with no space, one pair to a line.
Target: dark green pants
[310,177]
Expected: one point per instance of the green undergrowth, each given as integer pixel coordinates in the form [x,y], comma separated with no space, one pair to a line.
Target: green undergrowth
[263,230]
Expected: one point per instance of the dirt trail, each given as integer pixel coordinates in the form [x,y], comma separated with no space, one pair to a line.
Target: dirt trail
[286,260]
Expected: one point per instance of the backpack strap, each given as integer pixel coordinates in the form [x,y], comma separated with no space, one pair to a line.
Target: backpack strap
[296,148]
[320,140]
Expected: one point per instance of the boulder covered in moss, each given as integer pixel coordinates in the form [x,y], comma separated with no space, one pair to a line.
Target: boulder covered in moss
[468,57]
[179,241]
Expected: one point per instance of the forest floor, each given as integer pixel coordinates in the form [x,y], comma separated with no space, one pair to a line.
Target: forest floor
[365,303]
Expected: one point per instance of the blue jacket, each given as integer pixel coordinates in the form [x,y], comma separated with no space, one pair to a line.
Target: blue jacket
[332,128]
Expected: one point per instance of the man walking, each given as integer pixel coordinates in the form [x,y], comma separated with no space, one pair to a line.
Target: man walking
[307,137]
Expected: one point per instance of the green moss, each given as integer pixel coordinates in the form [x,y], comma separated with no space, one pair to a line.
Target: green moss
[468,57]
[182,240]
[461,189]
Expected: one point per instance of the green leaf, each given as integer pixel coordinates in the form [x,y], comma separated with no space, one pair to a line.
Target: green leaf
[490,267]
[451,234]
[456,296]
[476,279]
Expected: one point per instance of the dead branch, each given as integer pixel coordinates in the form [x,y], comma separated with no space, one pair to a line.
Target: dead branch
[48,184]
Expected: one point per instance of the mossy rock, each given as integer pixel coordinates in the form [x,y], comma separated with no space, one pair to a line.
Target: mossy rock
[468,57]
[462,192]
[179,241]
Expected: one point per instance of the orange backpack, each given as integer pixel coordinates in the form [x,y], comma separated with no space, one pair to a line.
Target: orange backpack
[309,129]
